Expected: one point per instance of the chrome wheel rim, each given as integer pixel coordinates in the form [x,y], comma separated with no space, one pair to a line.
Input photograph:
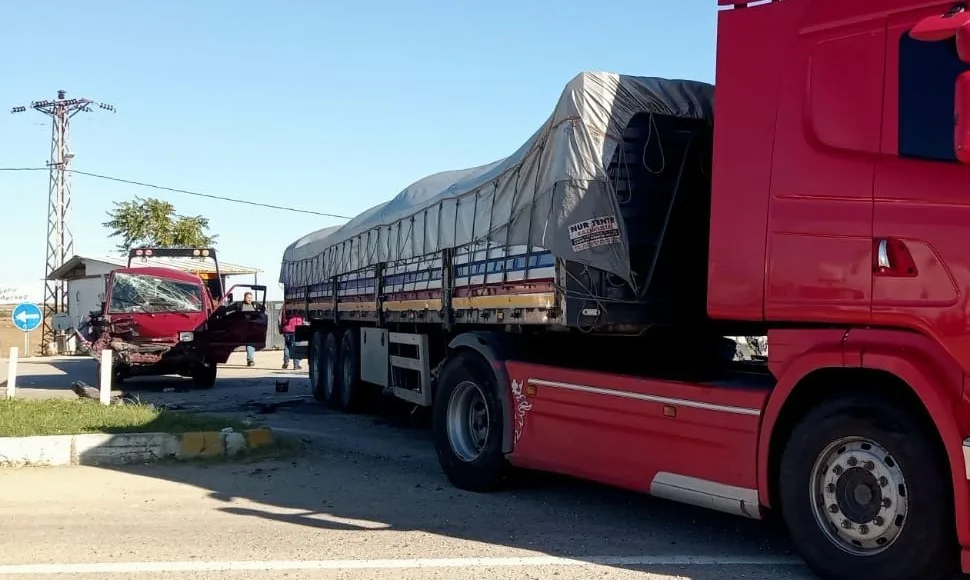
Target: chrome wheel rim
[859,496]
[468,421]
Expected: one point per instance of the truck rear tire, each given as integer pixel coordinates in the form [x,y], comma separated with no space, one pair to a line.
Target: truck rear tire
[328,380]
[865,494]
[349,376]
[316,363]
[467,424]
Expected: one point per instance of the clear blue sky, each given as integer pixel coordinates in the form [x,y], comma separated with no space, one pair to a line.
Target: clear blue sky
[327,105]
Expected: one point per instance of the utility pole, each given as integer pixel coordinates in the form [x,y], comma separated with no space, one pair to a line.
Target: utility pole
[60,235]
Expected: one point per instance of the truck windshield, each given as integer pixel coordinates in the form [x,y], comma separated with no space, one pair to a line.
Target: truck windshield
[140,293]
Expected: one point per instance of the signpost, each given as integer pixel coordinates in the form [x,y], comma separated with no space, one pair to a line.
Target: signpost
[27,317]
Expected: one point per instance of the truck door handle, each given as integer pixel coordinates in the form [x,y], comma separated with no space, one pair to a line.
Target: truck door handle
[882,255]
[894,261]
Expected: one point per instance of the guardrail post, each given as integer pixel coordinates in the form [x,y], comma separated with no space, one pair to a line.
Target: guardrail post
[104,384]
[12,373]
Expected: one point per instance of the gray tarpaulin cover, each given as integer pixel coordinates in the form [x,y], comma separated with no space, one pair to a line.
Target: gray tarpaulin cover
[551,193]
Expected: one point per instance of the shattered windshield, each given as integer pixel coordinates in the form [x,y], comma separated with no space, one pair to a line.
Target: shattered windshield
[142,293]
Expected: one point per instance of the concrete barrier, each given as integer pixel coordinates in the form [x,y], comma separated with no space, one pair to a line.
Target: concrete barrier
[127,448]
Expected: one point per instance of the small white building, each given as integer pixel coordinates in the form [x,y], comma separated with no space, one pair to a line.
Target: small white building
[86,279]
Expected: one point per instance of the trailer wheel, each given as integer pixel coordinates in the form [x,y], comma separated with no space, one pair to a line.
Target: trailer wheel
[316,363]
[467,424]
[328,381]
[204,376]
[865,493]
[349,378]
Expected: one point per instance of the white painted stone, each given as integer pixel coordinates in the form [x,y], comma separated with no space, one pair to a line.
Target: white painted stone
[122,448]
[235,443]
[104,381]
[11,385]
[41,450]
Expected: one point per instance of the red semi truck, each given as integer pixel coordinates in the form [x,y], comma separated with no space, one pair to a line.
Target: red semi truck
[161,320]
[566,308]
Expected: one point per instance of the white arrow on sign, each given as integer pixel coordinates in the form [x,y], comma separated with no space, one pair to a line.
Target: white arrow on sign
[24,317]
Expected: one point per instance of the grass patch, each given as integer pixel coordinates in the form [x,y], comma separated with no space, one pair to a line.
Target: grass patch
[26,417]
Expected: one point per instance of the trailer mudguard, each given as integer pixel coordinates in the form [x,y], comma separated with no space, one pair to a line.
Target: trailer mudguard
[495,350]
[934,377]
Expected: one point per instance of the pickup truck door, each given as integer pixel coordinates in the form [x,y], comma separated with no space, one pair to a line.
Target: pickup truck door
[231,327]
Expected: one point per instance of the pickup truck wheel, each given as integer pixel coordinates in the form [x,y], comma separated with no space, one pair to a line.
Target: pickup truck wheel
[204,376]
[117,375]
[467,424]
[316,362]
[329,378]
[349,377]
[865,493]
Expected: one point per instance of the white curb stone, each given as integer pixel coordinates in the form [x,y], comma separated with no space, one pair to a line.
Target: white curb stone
[40,450]
[112,448]
[121,449]
[87,449]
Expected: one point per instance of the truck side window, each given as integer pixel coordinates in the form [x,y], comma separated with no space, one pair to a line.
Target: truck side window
[927,81]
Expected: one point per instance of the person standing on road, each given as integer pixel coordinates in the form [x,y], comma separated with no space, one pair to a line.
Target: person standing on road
[288,324]
[249,306]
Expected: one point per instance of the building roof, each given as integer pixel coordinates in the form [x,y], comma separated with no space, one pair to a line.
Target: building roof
[76,267]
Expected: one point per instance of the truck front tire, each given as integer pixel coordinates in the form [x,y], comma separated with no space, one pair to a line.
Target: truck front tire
[467,424]
[118,374]
[204,376]
[865,493]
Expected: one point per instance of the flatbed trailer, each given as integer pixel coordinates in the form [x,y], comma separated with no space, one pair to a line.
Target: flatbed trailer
[585,328]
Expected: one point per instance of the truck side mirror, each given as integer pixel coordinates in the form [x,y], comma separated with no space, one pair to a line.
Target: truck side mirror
[941,26]
[229,298]
[954,24]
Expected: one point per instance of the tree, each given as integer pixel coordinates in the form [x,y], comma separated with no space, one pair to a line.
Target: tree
[153,222]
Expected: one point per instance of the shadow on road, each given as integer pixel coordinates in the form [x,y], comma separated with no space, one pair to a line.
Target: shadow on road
[378,472]
[337,487]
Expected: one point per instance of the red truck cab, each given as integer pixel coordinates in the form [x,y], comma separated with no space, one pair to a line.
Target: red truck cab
[164,320]
[840,223]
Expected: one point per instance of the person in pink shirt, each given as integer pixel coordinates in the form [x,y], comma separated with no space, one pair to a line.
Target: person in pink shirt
[288,324]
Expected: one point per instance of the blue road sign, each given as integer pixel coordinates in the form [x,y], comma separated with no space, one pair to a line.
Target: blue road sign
[27,316]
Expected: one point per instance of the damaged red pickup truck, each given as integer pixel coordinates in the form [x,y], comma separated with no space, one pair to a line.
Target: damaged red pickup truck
[163,320]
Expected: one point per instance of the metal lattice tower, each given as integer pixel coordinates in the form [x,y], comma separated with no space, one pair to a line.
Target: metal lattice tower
[60,235]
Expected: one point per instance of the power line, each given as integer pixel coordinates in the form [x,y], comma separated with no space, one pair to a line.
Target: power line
[183,191]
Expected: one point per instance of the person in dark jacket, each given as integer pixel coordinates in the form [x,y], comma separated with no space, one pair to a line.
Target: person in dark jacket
[248,305]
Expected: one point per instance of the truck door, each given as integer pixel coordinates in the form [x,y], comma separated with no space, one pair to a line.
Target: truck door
[233,324]
[827,138]
[922,206]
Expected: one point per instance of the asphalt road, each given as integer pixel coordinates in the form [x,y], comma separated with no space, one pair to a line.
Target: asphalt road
[364,500]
